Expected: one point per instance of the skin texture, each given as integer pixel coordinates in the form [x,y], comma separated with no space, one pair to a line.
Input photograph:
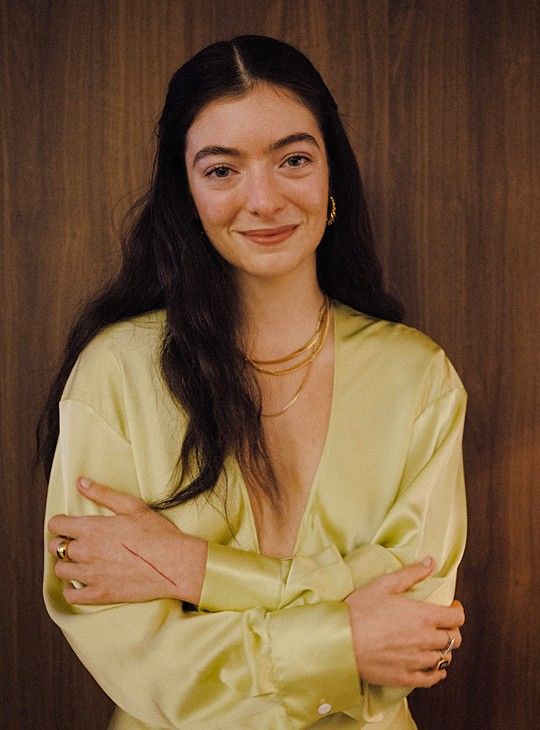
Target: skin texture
[386,653]
[126,557]
[263,206]
[262,183]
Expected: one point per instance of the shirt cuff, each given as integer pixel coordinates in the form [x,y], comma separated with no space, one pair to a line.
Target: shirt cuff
[236,580]
[313,659]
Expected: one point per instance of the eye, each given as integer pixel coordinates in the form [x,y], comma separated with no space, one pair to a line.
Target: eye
[219,172]
[297,161]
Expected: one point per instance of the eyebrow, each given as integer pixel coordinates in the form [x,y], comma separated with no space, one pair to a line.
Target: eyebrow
[293,139]
[235,152]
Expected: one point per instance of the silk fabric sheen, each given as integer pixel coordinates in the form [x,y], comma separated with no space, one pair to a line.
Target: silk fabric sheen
[269,647]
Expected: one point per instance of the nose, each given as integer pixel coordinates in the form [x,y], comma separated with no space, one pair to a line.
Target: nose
[263,195]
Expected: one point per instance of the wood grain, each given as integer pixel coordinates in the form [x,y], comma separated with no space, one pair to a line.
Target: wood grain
[441,102]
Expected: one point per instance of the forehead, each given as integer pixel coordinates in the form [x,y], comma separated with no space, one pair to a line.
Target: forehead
[264,114]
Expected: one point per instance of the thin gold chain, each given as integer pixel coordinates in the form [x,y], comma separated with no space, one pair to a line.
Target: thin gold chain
[293,399]
[309,344]
[319,344]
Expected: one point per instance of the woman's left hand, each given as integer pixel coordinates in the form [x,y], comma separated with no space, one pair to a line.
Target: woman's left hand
[134,555]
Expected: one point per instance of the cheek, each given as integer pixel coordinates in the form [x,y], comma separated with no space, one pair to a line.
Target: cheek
[215,209]
[313,197]
[315,203]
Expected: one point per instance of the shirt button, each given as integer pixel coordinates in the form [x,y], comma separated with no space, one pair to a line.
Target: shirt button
[324,709]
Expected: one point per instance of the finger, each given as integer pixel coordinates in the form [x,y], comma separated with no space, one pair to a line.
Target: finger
[62,525]
[430,660]
[53,544]
[426,679]
[418,678]
[401,580]
[83,596]
[448,617]
[459,606]
[120,504]
[87,595]
[443,638]
[75,551]
[73,528]
[71,571]
[427,661]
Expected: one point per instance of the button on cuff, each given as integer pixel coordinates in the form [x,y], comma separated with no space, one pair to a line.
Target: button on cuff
[324,709]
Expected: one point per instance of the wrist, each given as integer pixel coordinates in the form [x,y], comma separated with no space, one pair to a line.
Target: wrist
[190,567]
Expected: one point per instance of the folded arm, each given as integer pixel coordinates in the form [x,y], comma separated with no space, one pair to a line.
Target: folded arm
[167,666]
[265,642]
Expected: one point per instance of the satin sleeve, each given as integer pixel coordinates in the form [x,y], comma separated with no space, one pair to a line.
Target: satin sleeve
[428,517]
[170,667]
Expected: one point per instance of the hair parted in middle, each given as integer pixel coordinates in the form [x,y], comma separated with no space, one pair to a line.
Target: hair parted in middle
[168,264]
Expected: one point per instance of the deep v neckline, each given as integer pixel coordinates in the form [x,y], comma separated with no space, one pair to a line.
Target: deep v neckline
[322,459]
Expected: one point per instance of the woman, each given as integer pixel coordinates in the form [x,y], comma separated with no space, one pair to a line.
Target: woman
[246,376]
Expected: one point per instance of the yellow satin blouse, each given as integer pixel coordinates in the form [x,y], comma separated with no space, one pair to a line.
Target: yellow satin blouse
[269,647]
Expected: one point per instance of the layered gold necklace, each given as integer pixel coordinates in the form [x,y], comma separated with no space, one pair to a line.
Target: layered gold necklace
[308,352]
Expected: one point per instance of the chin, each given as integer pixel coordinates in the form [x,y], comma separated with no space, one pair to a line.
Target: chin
[280,266]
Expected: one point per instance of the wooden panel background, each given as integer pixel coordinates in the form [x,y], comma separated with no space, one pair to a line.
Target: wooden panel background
[441,103]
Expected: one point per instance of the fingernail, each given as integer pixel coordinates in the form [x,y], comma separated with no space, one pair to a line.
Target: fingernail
[84,482]
[427,562]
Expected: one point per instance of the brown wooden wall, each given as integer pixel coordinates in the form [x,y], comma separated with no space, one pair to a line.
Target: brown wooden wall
[440,100]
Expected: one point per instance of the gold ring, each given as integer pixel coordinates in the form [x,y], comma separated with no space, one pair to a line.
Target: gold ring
[448,648]
[62,549]
[442,663]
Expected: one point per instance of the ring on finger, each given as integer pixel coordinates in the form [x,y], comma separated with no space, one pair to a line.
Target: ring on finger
[62,549]
[448,648]
[443,663]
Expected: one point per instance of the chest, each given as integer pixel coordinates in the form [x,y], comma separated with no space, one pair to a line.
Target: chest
[339,454]
[296,441]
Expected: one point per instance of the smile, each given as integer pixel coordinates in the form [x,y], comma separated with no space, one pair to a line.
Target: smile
[270,235]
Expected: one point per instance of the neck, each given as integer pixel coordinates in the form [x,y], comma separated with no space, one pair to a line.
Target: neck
[279,315]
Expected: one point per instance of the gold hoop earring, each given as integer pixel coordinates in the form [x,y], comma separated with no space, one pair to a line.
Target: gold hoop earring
[332,216]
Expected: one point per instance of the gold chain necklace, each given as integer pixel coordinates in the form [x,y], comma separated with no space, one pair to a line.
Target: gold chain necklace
[316,341]
[309,344]
[293,399]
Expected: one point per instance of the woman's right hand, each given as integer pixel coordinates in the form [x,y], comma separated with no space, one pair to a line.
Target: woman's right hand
[398,642]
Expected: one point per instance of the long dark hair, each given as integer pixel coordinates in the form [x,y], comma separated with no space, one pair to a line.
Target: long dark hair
[168,264]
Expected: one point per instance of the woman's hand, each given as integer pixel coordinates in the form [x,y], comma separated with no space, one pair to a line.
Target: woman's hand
[134,555]
[399,642]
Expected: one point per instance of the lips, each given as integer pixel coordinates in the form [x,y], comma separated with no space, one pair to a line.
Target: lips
[270,235]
